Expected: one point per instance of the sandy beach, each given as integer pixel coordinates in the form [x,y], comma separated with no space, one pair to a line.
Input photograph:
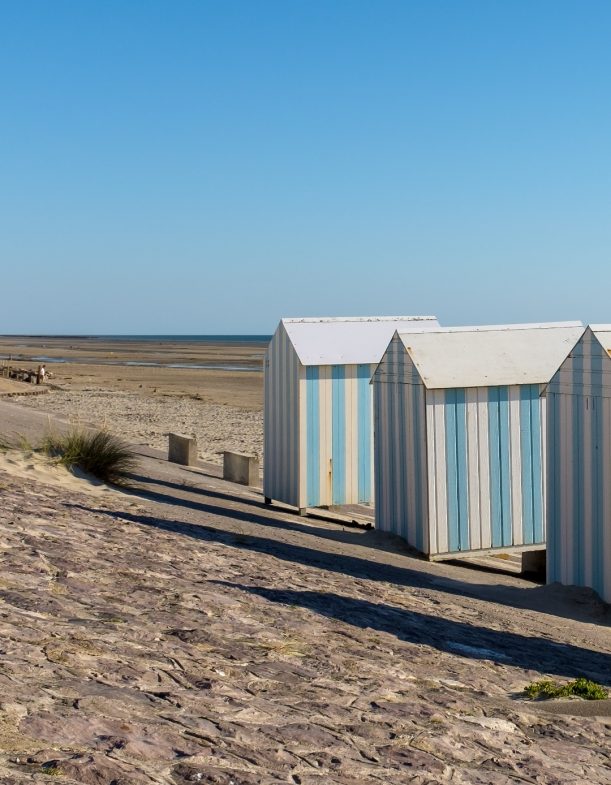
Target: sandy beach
[133,388]
[181,631]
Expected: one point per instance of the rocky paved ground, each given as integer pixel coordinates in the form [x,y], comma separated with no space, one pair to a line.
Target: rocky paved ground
[187,634]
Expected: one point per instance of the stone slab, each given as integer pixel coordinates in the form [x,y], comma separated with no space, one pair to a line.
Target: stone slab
[243,469]
[182,449]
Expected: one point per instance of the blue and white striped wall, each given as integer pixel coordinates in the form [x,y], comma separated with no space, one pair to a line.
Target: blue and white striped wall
[318,433]
[457,470]
[485,468]
[579,475]
[337,438]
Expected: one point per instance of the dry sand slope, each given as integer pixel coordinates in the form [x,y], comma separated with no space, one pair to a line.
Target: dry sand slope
[188,634]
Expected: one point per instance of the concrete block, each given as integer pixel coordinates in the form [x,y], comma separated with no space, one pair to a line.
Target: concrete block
[182,449]
[534,563]
[241,468]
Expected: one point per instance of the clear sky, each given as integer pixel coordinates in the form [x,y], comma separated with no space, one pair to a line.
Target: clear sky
[208,166]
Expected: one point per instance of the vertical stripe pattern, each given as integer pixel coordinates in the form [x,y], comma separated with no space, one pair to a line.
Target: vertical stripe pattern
[281,439]
[338,430]
[457,483]
[364,432]
[579,457]
[500,482]
[457,470]
[400,448]
[338,449]
[313,436]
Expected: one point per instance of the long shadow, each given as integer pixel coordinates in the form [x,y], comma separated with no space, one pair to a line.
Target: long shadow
[353,566]
[364,536]
[177,486]
[445,634]
[143,480]
[259,515]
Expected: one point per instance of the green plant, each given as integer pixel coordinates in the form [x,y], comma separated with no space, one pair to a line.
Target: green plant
[51,770]
[582,688]
[99,453]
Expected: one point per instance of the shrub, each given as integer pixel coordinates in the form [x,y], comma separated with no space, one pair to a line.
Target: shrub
[99,453]
[583,688]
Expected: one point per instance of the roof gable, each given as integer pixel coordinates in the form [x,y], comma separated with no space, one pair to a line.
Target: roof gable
[586,368]
[491,356]
[603,335]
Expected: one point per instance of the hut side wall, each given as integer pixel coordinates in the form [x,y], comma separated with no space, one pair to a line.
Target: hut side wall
[281,461]
[400,447]
[485,468]
[337,446]
[579,454]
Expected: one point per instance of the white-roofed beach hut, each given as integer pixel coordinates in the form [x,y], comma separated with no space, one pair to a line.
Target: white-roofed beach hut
[318,424]
[579,465]
[459,436]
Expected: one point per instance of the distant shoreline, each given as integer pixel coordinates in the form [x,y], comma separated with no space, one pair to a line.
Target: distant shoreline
[145,388]
[92,360]
[265,339]
[217,371]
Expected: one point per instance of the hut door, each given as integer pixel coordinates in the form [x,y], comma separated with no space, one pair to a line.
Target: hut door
[337,469]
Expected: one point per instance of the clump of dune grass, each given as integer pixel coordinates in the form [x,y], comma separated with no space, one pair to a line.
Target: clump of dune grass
[99,453]
[581,688]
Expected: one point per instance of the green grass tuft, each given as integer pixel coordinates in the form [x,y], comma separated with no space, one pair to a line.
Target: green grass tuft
[51,770]
[582,688]
[99,453]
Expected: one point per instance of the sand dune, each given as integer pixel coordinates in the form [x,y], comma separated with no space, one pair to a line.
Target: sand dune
[41,469]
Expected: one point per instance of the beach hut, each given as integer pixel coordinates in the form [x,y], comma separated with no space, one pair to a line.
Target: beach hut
[459,436]
[579,465]
[318,436]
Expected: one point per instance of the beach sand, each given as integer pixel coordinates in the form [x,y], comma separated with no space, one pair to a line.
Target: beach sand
[179,630]
[144,402]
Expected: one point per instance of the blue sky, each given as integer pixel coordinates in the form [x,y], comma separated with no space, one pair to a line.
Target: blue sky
[199,166]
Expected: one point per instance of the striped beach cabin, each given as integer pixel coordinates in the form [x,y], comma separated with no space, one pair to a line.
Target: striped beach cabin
[318,434]
[579,465]
[459,436]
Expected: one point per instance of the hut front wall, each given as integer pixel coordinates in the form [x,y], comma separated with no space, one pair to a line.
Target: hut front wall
[281,464]
[337,437]
[486,468]
[401,499]
[579,483]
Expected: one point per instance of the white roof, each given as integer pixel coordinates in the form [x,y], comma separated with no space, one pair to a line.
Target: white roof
[492,355]
[603,333]
[349,340]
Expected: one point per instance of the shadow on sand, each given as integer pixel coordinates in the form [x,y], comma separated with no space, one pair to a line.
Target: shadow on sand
[345,564]
[446,635]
